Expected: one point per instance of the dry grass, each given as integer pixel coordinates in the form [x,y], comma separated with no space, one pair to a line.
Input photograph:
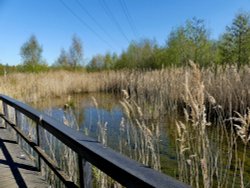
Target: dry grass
[34,87]
[201,152]
[243,131]
[163,88]
[142,141]
[142,136]
[203,93]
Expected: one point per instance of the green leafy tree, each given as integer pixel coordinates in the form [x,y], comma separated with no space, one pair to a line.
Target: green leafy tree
[31,53]
[122,61]
[63,60]
[227,49]
[138,55]
[235,42]
[96,63]
[179,48]
[240,29]
[2,68]
[145,54]
[160,57]
[199,36]
[108,61]
[76,52]
[190,41]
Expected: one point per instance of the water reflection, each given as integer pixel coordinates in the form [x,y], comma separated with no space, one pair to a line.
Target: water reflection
[106,118]
[91,119]
[84,116]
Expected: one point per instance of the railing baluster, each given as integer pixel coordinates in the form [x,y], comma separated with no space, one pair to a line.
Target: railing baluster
[81,172]
[18,123]
[85,173]
[38,143]
[5,111]
[126,171]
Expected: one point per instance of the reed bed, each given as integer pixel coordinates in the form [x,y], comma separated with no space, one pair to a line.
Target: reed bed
[137,140]
[202,145]
[143,138]
[206,95]
[163,88]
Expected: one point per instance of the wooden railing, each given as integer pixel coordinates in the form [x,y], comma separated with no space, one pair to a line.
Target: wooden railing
[126,171]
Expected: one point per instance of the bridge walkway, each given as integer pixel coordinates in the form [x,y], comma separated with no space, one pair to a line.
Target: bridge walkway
[16,168]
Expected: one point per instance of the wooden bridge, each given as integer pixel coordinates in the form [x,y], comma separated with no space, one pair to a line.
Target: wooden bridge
[18,170]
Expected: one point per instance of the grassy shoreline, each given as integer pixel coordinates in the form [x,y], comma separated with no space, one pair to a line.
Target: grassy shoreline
[149,94]
[163,88]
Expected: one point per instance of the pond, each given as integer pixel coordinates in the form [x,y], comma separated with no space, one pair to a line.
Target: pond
[151,141]
[83,114]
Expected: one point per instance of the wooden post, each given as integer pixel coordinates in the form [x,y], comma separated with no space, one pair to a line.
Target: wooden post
[6,113]
[81,173]
[85,173]
[38,143]
[18,123]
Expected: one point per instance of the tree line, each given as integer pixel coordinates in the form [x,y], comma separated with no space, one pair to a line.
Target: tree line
[189,41]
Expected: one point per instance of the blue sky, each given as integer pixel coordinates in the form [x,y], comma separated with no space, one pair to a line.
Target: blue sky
[54,22]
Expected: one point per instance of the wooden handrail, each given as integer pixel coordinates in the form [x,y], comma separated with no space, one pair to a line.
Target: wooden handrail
[119,167]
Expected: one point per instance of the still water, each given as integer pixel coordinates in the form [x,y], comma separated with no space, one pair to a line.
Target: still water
[105,118]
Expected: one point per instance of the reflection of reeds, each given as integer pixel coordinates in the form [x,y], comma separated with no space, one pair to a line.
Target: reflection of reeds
[63,156]
[201,148]
[100,178]
[143,139]
[102,126]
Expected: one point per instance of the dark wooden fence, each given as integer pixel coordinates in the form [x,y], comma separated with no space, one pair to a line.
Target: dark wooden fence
[126,171]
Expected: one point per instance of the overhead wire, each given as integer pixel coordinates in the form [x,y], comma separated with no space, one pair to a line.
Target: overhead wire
[129,18]
[113,19]
[94,20]
[85,23]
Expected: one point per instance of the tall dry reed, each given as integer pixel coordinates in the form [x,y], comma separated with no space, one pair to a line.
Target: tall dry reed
[243,131]
[202,146]
[100,179]
[205,93]
[162,88]
[142,137]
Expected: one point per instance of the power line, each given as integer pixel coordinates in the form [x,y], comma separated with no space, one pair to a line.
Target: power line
[113,19]
[85,24]
[93,19]
[129,18]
